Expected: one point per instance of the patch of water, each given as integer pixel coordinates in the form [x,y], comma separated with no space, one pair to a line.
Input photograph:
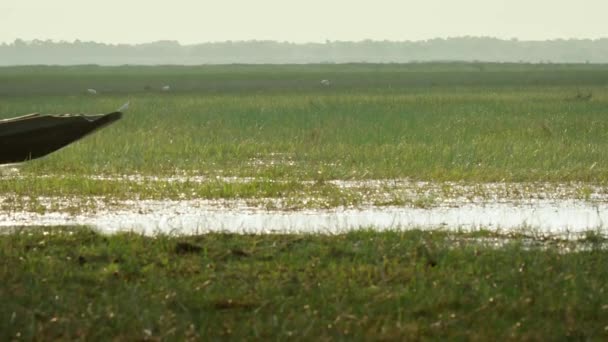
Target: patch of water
[527,242]
[550,217]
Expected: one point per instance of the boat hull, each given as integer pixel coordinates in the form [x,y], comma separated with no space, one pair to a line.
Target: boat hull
[34,136]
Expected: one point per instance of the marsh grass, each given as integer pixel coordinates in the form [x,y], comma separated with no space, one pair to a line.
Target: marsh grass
[73,283]
[433,122]
[442,122]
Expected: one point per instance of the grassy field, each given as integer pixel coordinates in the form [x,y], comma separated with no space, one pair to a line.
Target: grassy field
[73,283]
[429,122]
[274,132]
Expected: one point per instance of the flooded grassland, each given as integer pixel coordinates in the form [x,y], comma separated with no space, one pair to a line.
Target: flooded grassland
[241,205]
[400,202]
[269,149]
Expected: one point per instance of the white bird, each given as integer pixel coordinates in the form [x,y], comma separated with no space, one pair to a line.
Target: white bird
[92,91]
[325,83]
[124,107]
[165,88]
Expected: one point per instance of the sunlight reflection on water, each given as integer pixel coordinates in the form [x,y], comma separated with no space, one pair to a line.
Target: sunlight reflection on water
[192,217]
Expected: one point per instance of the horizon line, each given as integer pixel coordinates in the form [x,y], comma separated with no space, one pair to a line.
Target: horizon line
[326,41]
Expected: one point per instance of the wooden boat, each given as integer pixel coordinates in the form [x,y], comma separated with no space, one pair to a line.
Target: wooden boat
[35,135]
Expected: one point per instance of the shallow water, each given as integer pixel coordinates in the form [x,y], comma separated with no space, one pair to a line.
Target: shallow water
[551,217]
[545,208]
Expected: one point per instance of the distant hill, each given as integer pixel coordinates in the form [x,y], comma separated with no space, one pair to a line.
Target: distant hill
[255,52]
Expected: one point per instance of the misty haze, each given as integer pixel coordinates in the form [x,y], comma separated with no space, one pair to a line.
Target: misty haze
[271,52]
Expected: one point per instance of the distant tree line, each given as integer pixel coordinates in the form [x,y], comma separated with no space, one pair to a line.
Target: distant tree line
[485,49]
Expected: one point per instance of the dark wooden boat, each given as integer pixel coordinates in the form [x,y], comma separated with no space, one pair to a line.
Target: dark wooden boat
[36,135]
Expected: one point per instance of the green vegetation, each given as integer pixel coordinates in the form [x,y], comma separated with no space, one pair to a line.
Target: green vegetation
[433,122]
[72,283]
[262,133]
[436,122]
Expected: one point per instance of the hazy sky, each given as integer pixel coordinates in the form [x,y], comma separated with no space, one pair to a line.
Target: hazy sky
[192,21]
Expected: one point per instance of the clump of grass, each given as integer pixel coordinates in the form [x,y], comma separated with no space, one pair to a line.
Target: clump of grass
[581,96]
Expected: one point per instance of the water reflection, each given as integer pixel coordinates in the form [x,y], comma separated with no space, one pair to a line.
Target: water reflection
[191,217]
